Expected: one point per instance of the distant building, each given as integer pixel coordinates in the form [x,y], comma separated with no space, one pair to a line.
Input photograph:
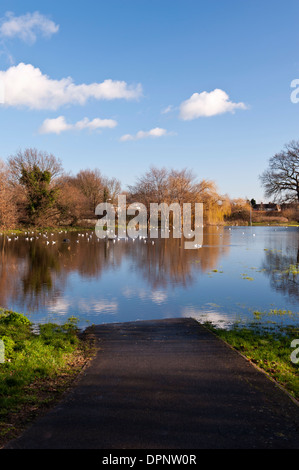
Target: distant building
[270,207]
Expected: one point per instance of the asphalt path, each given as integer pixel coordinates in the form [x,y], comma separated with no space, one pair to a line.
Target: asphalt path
[167,384]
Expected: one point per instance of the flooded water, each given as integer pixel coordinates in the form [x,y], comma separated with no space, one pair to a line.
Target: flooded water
[237,272]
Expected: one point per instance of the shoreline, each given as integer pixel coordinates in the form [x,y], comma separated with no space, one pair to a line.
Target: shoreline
[70,229]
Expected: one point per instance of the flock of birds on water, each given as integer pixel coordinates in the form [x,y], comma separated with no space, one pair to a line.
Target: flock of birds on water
[89,236]
[47,237]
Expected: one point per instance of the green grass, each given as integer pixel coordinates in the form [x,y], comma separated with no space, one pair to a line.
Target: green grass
[37,367]
[57,229]
[268,347]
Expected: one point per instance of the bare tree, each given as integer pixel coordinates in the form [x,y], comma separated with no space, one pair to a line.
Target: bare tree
[31,158]
[183,187]
[71,202]
[7,204]
[281,179]
[180,186]
[33,175]
[112,188]
[152,187]
[91,184]
[32,178]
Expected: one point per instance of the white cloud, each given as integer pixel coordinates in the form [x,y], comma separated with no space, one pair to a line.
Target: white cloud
[167,110]
[208,104]
[157,132]
[59,125]
[26,86]
[54,126]
[95,124]
[26,27]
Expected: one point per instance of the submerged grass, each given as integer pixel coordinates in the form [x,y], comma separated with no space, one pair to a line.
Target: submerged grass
[268,347]
[38,368]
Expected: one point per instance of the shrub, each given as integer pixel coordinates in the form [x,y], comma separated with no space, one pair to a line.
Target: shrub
[13,318]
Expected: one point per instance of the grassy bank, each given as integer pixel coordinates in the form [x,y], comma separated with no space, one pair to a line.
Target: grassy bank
[39,367]
[267,347]
[28,229]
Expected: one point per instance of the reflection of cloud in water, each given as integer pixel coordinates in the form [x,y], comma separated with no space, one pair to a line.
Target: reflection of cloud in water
[60,306]
[208,315]
[156,296]
[103,306]
[99,306]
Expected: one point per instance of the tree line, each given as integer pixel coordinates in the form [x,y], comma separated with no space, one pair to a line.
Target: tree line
[35,190]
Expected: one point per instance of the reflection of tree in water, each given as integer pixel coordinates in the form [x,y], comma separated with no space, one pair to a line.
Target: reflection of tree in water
[92,258]
[42,270]
[277,265]
[163,264]
[34,273]
[170,263]
[38,286]
[10,271]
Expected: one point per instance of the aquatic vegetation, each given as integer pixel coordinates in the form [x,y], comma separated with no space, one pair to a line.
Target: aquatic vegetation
[215,271]
[247,278]
[275,312]
[290,271]
[293,269]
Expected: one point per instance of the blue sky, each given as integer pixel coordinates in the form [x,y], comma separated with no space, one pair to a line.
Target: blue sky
[156,56]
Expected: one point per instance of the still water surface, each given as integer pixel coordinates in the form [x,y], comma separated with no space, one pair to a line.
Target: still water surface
[238,271]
